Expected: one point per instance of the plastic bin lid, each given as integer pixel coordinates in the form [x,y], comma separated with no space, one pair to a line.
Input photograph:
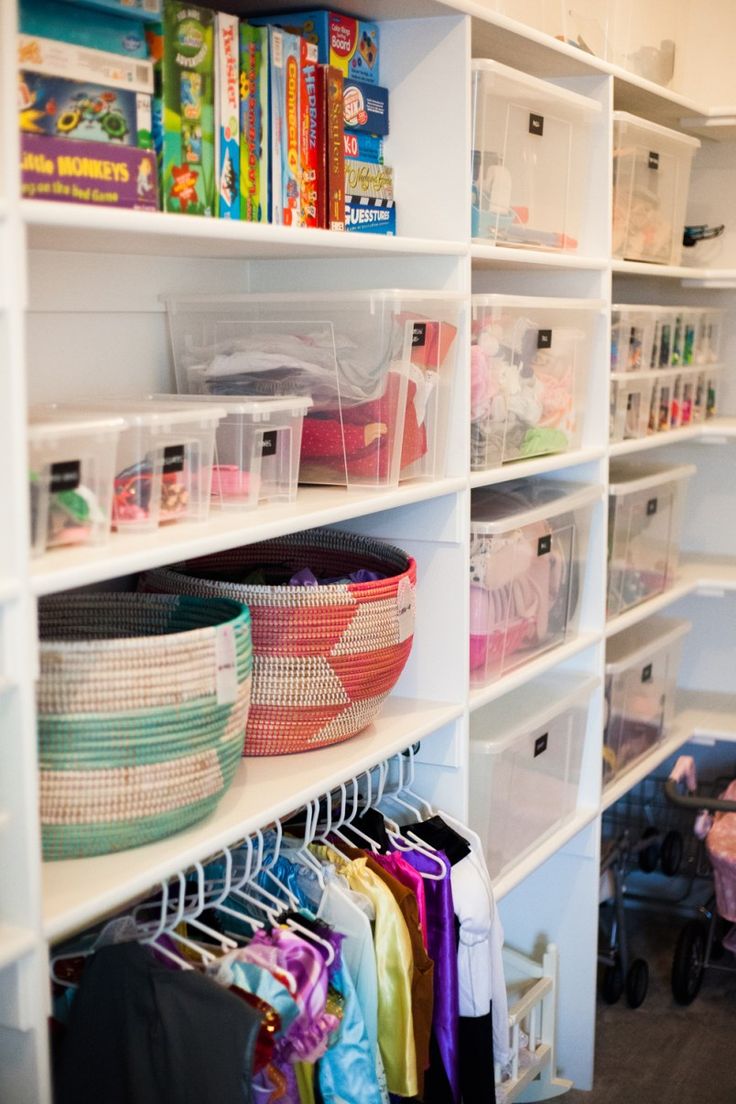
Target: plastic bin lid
[628,648]
[641,308]
[500,723]
[534,302]
[133,413]
[210,301]
[643,377]
[525,501]
[627,478]
[242,404]
[656,128]
[535,88]
[45,421]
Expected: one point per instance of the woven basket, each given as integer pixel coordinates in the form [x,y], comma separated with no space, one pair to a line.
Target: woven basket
[142,703]
[325,658]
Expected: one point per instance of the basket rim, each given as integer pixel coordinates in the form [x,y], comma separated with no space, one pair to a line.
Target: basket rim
[128,643]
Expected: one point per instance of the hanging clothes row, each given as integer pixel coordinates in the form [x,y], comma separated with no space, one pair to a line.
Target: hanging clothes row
[349,956]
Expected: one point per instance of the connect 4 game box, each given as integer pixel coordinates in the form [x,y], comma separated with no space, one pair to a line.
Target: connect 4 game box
[227,116]
[284,60]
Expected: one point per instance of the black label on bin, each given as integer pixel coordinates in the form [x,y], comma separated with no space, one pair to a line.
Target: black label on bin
[646,673]
[536,124]
[653,160]
[544,339]
[173,459]
[544,545]
[540,744]
[419,335]
[65,476]
[268,443]
[651,507]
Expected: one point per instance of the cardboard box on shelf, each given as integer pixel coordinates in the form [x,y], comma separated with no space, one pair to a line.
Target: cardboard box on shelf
[95,173]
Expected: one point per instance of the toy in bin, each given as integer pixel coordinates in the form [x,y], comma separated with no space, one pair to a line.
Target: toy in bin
[529,363]
[526,547]
[71,464]
[257,447]
[376,365]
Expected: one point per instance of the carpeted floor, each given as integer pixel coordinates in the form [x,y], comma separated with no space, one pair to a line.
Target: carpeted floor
[662,1053]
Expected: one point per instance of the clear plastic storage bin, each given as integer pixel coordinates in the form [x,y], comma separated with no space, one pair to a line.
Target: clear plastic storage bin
[631,404]
[528,543]
[641,675]
[633,330]
[530,364]
[644,521]
[531,151]
[526,754]
[71,466]
[378,367]
[651,178]
[257,448]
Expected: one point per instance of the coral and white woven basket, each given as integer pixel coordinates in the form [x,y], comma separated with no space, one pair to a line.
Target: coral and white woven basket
[325,658]
[142,703]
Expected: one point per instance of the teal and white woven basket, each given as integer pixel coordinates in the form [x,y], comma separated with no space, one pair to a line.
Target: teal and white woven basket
[142,705]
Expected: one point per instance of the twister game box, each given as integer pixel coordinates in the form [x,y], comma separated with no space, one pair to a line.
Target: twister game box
[183,50]
[227,116]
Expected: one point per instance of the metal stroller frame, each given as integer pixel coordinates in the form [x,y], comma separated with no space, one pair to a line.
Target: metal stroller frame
[619,974]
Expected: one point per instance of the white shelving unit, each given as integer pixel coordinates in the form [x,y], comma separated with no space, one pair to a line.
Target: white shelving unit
[80,316]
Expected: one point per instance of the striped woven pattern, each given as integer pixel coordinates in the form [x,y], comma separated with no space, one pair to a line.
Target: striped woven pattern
[325,658]
[135,742]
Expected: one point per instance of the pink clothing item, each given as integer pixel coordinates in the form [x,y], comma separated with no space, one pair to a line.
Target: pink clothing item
[684,771]
[721,845]
[403,872]
[556,395]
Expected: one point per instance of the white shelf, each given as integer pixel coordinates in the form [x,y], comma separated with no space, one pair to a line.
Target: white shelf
[679,735]
[520,469]
[545,850]
[77,891]
[9,590]
[655,271]
[15,943]
[706,575]
[639,613]
[656,440]
[82,229]
[482,695]
[125,553]
[508,257]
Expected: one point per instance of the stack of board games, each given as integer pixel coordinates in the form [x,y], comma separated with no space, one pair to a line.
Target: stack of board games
[85,87]
[162,104]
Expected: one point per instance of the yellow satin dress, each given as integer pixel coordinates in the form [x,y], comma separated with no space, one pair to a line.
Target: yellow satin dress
[395,967]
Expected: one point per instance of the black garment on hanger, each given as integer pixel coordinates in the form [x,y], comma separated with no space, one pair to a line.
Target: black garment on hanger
[372,823]
[140,1033]
[477,1081]
[441,836]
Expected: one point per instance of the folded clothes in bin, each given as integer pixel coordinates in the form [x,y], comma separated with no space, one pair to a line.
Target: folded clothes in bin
[377,367]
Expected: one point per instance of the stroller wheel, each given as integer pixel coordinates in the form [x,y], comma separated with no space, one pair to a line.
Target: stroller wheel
[670,856]
[688,964]
[649,856]
[637,983]
[612,985]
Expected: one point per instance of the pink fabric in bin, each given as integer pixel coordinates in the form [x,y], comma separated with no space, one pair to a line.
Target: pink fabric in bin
[721,845]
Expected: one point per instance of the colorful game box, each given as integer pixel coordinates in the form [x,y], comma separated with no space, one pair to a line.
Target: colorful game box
[363,147]
[79,63]
[100,30]
[309,136]
[255,167]
[367,215]
[254,124]
[334,153]
[227,116]
[351,45]
[85,111]
[365,108]
[284,57]
[362,178]
[87,172]
[150,10]
[184,58]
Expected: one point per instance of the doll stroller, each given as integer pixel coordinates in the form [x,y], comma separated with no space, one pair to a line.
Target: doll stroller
[699,945]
